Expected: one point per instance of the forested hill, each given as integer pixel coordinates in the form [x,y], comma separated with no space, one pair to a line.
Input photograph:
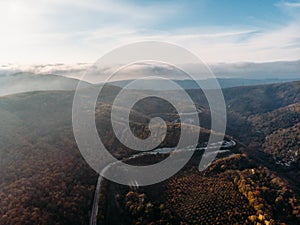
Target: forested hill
[44,178]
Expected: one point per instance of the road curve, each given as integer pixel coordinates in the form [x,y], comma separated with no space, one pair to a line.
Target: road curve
[94,211]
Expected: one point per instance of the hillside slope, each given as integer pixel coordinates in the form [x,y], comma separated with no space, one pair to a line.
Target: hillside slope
[268,116]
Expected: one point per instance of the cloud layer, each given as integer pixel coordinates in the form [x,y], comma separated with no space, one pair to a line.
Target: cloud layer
[268,70]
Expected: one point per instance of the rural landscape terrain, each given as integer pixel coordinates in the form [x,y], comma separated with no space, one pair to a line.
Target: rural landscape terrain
[150,112]
[254,179]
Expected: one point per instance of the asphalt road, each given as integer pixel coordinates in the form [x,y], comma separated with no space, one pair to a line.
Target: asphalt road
[94,211]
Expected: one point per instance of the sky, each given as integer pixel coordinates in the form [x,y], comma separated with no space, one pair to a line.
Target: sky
[74,31]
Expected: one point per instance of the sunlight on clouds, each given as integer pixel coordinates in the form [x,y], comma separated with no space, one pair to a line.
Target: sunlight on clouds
[81,31]
[16,15]
[18,21]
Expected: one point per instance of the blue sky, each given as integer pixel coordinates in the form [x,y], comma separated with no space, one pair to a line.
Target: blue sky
[71,31]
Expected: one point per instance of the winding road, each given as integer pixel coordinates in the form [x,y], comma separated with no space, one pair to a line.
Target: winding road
[94,210]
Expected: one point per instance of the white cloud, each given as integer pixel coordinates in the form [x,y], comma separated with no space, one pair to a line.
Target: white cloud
[124,11]
[291,4]
[68,70]
[226,45]
[271,70]
[29,32]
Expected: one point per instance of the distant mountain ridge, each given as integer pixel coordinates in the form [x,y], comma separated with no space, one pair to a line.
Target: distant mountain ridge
[27,82]
[205,84]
